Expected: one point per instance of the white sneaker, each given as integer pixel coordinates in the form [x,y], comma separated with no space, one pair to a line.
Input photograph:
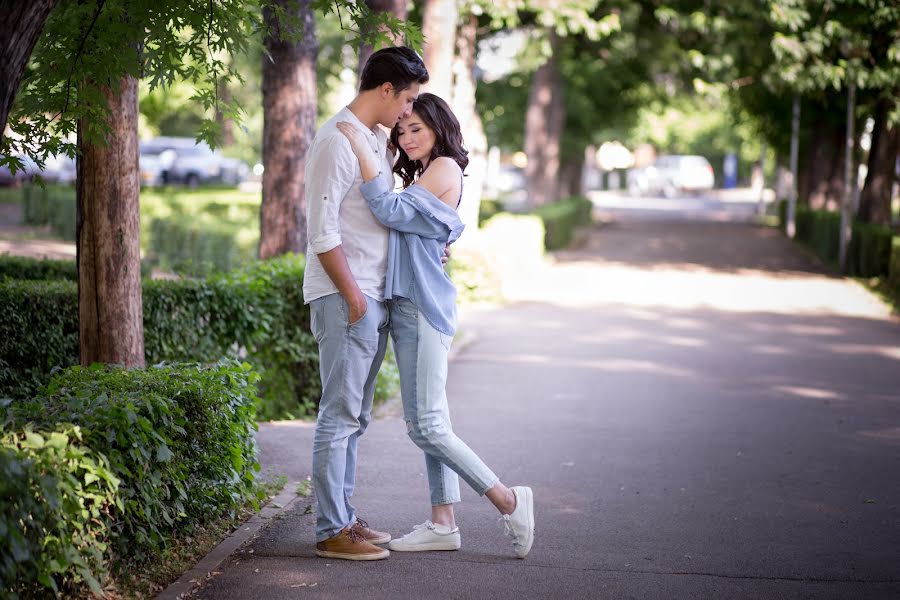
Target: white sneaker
[520,524]
[428,536]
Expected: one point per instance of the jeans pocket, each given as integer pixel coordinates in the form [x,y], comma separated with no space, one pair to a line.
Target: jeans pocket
[405,307]
[345,308]
[359,320]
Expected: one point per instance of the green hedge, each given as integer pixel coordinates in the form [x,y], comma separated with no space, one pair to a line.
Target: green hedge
[894,269]
[24,267]
[55,516]
[256,314]
[188,245]
[487,209]
[21,267]
[174,443]
[869,251]
[51,205]
[39,331]
[561,218]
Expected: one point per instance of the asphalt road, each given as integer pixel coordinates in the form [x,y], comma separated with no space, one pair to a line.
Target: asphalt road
[702,411]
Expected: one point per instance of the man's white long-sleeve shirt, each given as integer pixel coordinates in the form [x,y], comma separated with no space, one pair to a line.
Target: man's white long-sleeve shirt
[338,214]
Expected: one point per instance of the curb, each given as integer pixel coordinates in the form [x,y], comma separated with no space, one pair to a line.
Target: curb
[191,580]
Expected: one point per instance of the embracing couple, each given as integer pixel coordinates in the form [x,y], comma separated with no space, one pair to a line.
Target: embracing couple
[375,267]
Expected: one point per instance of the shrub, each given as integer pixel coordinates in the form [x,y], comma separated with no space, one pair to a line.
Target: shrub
[505,251]
[38,331]
[561,218]
[487,209]
[256,314]
[57,499]
[869,251]
[51,205]
[179,439]
[192,246]
[20,267]
[894,268]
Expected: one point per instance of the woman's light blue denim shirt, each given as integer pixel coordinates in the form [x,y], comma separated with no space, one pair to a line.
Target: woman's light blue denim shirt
[421,225]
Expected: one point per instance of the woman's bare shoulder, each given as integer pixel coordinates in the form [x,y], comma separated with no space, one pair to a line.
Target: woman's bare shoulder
[445,163]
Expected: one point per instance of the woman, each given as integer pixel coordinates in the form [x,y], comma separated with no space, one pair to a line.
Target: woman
[423,220]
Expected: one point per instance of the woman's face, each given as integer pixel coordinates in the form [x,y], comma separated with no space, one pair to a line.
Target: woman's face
[415,138]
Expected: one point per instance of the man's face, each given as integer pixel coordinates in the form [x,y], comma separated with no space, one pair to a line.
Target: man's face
[398,106]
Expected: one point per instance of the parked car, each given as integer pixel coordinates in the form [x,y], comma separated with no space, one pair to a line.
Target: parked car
[671,175]
[8,178]
[168,160]
[59,169]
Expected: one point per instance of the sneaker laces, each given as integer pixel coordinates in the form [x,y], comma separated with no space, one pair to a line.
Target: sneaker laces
[425,525]
[508,529]
[355,536]
[362,523]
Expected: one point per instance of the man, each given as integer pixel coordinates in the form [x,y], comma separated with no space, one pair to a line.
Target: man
[344,285]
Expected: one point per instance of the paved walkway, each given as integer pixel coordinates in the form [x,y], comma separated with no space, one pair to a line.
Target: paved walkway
[701,410]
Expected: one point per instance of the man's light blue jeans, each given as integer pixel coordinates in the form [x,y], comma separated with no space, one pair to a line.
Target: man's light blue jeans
[350,355]
[421,352]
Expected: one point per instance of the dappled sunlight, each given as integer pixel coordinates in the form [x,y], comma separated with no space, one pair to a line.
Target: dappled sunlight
[891,352]
[810,392]
[582,284]
[772,350]
[612,365]
[683,341]
[890,434]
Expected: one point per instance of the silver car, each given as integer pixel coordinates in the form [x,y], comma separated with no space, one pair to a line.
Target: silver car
[167,160]
[671,175]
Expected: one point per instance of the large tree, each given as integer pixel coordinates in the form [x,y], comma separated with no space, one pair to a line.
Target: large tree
[108,246]
[439,20]
[289,123]
[544,121]
[23,22]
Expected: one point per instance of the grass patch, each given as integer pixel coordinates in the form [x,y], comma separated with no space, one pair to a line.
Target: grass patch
[881,287]
[147,579]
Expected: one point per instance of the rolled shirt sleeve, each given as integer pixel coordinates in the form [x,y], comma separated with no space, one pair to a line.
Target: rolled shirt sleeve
[330,172]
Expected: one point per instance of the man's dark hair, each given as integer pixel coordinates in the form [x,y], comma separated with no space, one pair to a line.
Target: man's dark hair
[399,65]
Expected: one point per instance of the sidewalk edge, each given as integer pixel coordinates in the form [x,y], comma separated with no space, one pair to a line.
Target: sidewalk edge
[192,579]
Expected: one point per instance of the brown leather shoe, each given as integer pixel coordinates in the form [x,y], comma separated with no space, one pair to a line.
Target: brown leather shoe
[370,535]
[350,545]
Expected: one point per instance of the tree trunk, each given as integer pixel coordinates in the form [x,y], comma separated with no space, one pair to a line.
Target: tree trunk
[396,8]
[110,312]
[289,124]
[875,201]
[470,120]
[439,19]
[822,180]
[544,120]
[23,21]
[571,176]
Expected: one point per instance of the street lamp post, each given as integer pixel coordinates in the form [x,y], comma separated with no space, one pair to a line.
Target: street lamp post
[791,225]
[847,200]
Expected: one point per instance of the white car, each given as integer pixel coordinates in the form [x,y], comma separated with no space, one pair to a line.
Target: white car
[671,175]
